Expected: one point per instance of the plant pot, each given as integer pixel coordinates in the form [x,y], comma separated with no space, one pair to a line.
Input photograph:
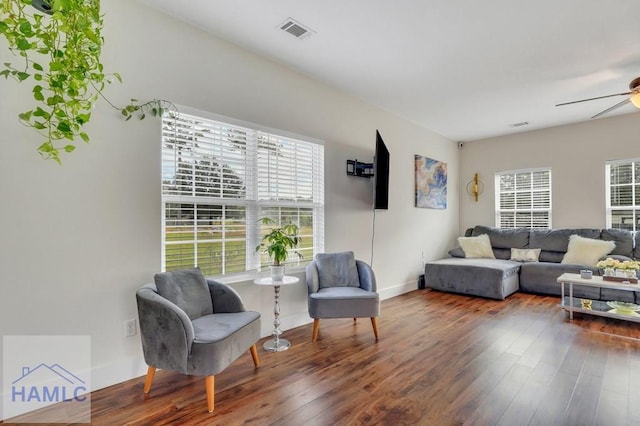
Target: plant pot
[277,272]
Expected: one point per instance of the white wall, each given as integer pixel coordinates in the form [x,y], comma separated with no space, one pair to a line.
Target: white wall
[576,155]
[77,240]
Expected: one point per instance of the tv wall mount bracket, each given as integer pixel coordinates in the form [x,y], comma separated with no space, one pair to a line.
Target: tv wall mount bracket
[360,169]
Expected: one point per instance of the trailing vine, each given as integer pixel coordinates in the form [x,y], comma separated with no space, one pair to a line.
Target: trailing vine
[59,46]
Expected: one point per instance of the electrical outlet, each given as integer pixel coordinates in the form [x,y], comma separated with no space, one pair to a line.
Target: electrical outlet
[130,327]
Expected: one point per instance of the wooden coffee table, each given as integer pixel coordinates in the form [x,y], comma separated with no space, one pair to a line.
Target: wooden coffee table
[598,307]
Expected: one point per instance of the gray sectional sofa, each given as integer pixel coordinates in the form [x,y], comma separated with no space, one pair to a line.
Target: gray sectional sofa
[498,278]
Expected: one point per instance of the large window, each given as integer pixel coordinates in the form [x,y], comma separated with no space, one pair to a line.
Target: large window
[523,199]
[219,178]
[623,194]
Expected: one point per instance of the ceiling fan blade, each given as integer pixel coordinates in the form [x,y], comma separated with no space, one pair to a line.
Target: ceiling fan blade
[616,106]
[593,99]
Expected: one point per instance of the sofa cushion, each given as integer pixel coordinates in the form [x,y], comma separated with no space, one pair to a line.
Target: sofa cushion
[557,239]
[476,247]
[619,257]
[622,238]
[618,295]
[551,256]
[636,246]
[498,253]
[586,251]
[187,289]
[542,278]
[502,253]
[504,238]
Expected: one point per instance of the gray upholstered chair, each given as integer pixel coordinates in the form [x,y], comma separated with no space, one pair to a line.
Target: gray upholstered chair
[339,286]
[194,326]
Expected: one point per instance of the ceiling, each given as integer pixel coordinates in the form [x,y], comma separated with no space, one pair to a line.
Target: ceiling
[466,69]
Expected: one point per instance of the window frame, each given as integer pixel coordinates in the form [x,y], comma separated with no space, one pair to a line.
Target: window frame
[251,201]
[634,184]
[498,197]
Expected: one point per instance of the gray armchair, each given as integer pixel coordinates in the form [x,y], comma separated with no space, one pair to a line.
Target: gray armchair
[194,326]
[341,287]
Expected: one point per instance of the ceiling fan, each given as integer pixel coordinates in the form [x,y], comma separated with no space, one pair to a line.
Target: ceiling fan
[634,88]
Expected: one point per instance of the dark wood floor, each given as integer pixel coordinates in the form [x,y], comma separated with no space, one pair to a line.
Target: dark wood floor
[442,359]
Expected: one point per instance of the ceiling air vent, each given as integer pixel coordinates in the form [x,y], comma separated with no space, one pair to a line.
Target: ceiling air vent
[296,29]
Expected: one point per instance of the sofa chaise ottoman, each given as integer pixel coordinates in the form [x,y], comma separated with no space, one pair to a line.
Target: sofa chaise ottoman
[492,278]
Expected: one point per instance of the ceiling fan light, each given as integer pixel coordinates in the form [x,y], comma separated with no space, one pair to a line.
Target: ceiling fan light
[635,99]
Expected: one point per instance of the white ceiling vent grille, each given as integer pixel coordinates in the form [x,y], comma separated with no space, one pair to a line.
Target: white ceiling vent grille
[296,29]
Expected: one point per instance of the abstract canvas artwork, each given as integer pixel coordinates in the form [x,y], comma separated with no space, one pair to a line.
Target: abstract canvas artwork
[431,183]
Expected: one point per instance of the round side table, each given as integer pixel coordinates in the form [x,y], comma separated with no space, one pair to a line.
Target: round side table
[276,344]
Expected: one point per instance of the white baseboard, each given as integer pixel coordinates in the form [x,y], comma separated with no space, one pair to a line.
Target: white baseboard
[117,372]
[397,290]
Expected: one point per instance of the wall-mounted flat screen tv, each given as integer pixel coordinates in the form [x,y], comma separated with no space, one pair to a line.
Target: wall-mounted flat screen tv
[381,175]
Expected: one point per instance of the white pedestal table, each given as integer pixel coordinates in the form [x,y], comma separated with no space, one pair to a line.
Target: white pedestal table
[276,344]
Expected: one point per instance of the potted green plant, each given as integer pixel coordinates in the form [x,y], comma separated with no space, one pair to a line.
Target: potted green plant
[58,44]
[277,243]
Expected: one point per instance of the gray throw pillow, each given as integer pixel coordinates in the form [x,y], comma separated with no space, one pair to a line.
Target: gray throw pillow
[337,270]
[188,289]
[456,252]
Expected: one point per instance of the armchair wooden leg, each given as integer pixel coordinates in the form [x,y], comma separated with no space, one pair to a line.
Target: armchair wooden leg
[316,327]
[209,384]
[151,371]
[374,323]
[354,320]
[254,355]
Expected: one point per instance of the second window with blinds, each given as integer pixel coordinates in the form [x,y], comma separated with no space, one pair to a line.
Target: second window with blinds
[523,199]
[623,194]
[219,176]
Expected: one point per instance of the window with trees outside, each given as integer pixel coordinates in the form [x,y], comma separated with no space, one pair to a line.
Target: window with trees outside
[623,194]
[523,199]
[220,176]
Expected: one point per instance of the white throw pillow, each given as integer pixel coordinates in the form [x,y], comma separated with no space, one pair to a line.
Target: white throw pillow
[525,255]
[476,247]
[586,251]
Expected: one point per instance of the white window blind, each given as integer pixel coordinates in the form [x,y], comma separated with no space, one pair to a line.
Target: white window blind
[623,194]
[219,178]
[523,199]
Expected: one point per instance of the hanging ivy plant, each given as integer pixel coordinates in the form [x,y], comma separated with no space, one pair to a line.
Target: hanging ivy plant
[59,43]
